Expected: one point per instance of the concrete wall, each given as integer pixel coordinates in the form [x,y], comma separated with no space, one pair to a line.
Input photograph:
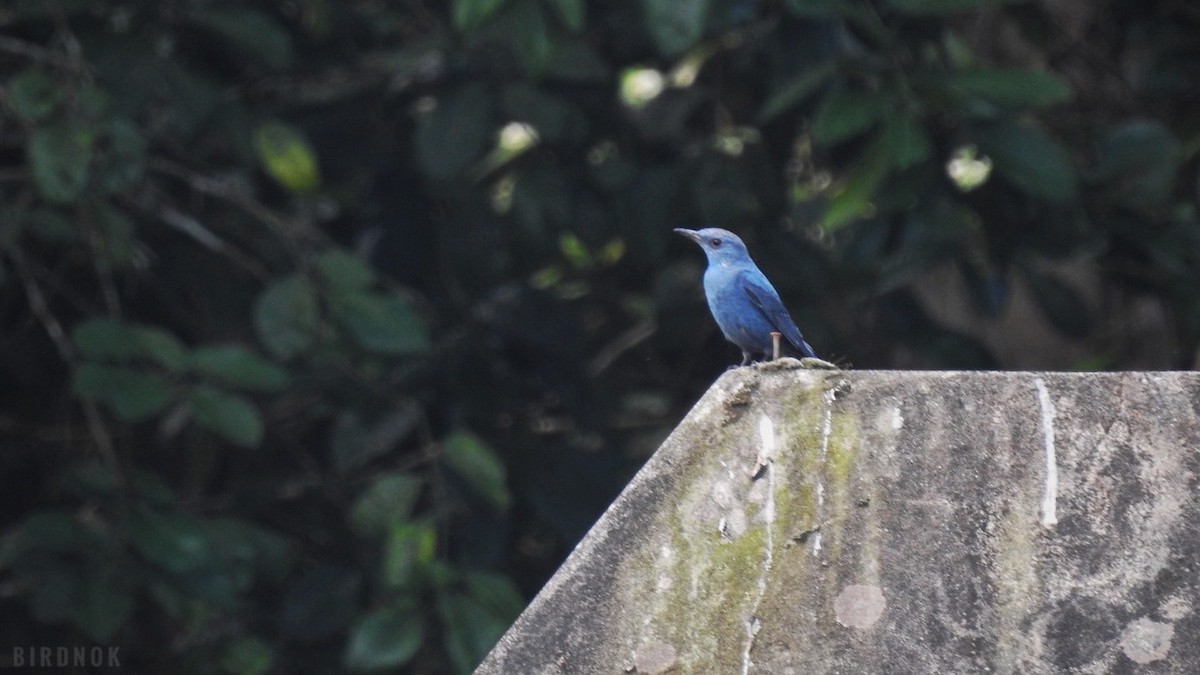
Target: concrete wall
[894,522]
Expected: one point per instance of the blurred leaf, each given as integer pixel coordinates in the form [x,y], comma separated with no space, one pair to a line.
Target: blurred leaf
[479,465]
[33,95]
[409,547]
[853,200]
[675,25]
[388,501]
[237,367]
[133,395]
[101,608]
[1062,305]
[529,34]
[471,14]
[354,445]
[382,322]
[907,141]
[847,113]
[59,156]
[121,156]
[232,417]
[574,250]
[251,33]
[385,638]
[1034,161]
[572,13]
[110,339]
[173,539]
[119,235]
[474,621]
[320,603]
[454,134]
[1008,87]
[795,91]
[247,656]
[287,156]
[819,9]
[945,6]
[1137,162]
[286,316]
[344,271]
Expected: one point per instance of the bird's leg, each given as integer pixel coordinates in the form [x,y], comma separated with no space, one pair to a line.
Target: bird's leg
[775,335]
[746,356]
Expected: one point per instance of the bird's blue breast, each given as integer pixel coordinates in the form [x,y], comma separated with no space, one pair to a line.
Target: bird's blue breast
[742,323]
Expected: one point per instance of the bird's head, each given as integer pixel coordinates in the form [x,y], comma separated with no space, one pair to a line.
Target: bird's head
[721,246]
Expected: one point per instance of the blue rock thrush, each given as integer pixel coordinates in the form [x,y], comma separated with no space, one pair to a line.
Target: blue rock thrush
[744,304]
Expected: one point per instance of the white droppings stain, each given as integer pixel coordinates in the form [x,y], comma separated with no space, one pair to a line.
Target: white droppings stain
[1050,489]
[897,419]
[826,432]
[766,455]
[859,605]
[1145,640]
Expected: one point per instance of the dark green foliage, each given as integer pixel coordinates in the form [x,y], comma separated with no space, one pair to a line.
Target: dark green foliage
[327,328]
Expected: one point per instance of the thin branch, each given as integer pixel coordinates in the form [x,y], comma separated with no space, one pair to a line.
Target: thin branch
[637,334]
[58,335]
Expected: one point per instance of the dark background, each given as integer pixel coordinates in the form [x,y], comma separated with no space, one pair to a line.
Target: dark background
[327,327]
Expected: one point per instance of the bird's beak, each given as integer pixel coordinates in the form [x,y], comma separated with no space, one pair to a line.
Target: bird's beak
[690,234]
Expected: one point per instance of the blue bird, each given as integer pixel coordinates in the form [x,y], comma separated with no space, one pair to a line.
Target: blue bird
[744,304]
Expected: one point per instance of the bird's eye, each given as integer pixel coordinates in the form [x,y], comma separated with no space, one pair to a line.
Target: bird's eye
[716,243]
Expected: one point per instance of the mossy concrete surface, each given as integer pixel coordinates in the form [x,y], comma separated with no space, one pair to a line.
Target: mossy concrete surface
[803,521]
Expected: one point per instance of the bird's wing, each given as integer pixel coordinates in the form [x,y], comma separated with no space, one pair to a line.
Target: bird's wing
[764,297]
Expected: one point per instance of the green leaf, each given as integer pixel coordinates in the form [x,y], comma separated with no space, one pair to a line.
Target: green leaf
[388,501]
[286,316]
[121,156]
[946,6]
[237,367]
[907,141]
[409,547]
[847,113]
[471,14]
[1008,87]
[251,33]
[119,235]
[382,322]
[1033,160]
[479,465]
[111,339]
[454,134]
[33,95]
[1137,163]
[470,628]
[675,25]
[572,13]
[344,271]
[132,395]
[230,416]
[795,91]
[820,9]
[101,608]
[385,638]
[287,156]
[855,197]
[247,656]
[527,32]
[59,156]
[172,539]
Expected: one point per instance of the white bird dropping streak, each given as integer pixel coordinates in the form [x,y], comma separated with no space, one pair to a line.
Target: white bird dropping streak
[1050,490]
